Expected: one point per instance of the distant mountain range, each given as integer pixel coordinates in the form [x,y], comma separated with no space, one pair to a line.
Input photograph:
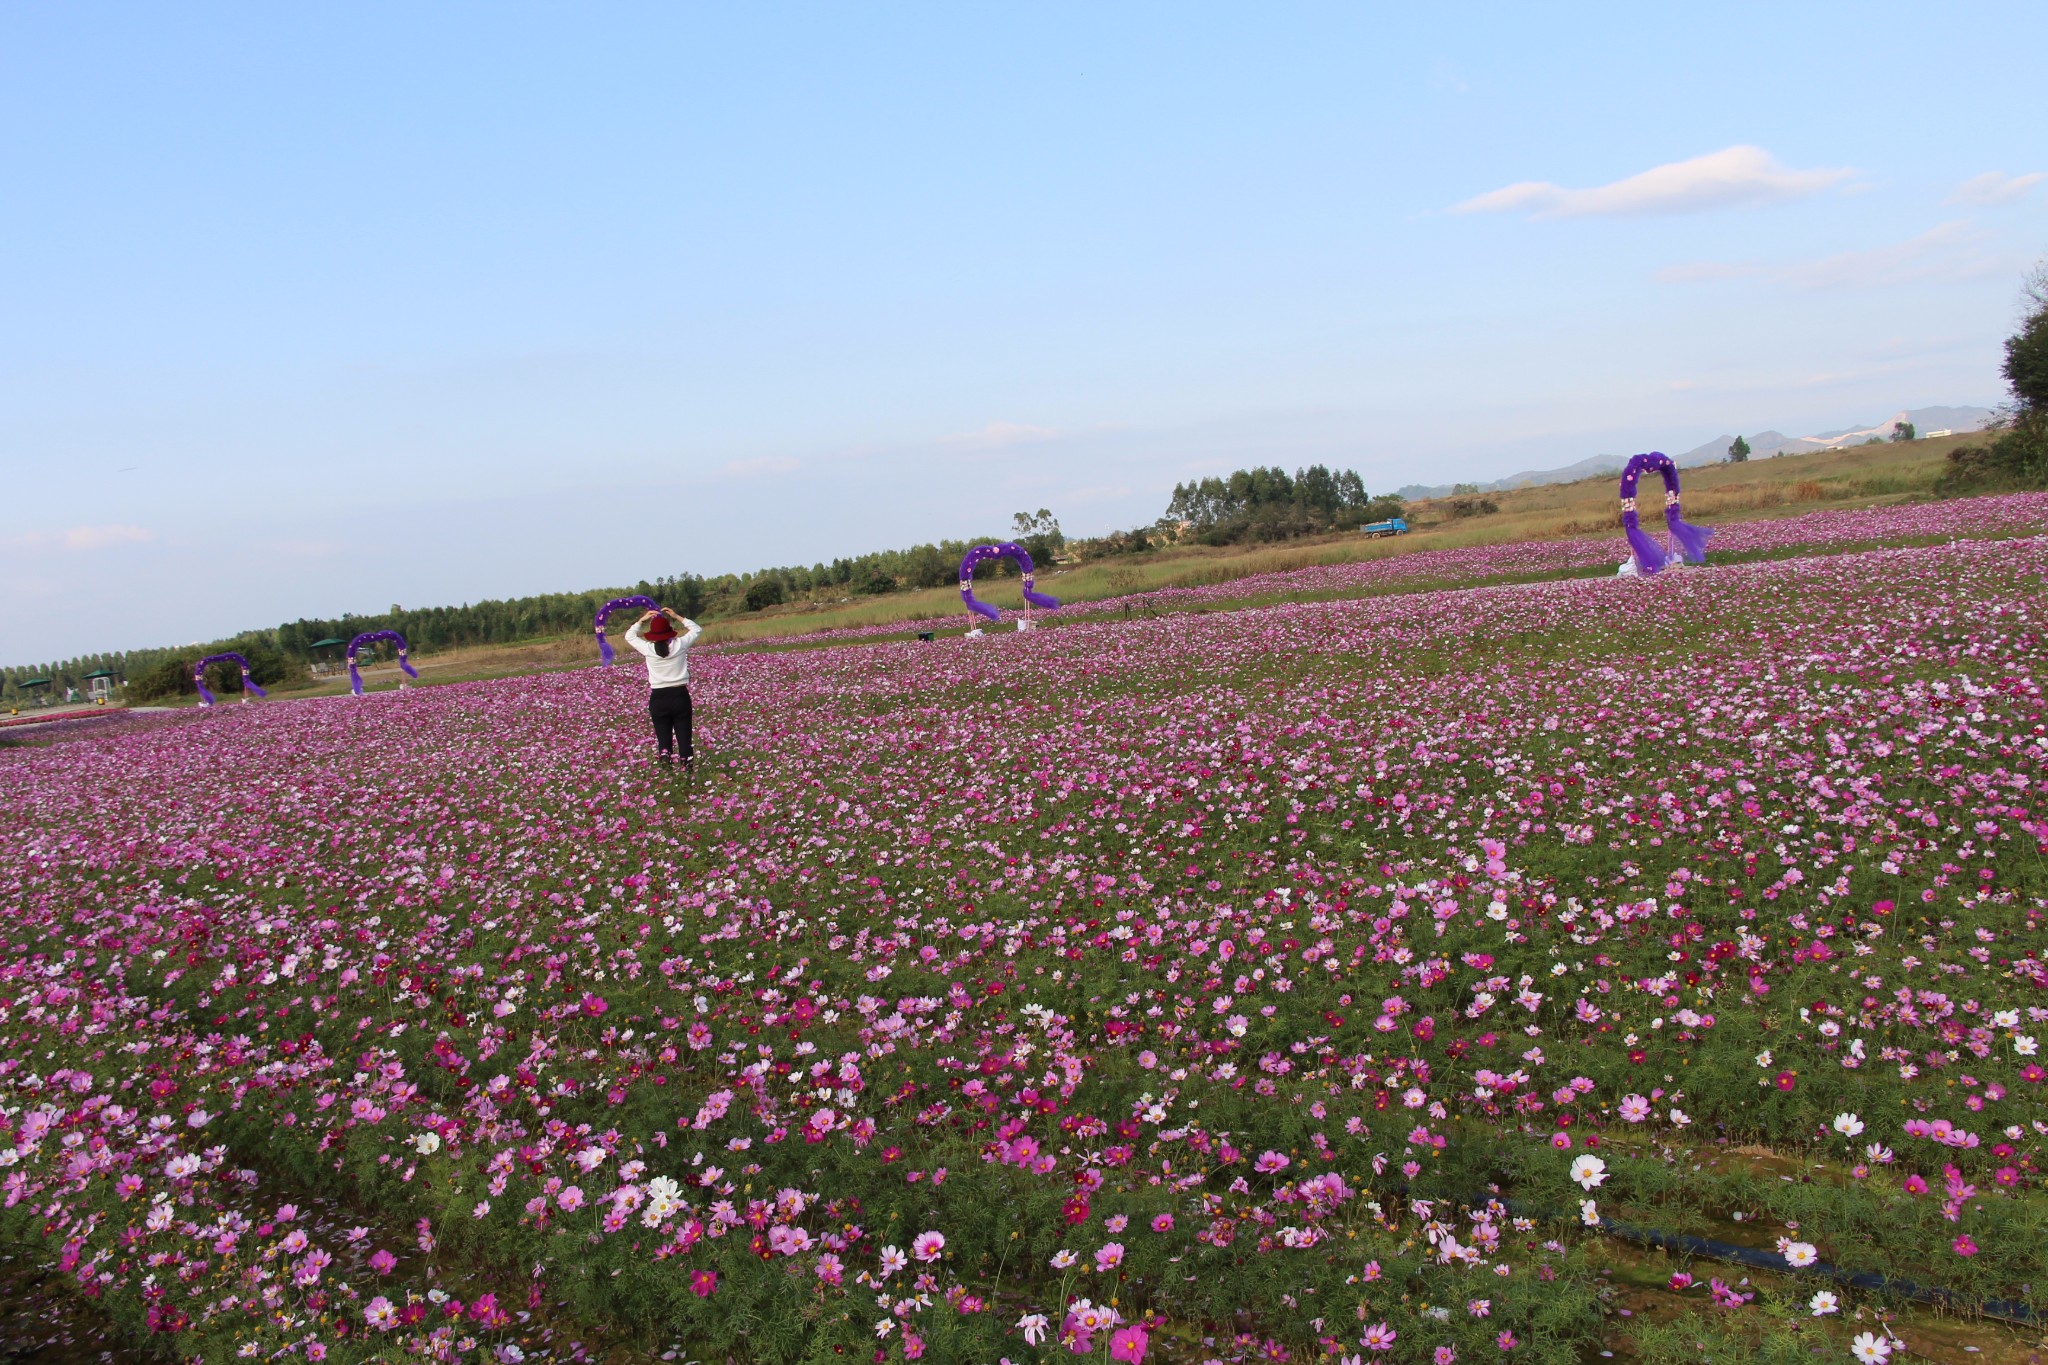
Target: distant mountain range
[1763,445]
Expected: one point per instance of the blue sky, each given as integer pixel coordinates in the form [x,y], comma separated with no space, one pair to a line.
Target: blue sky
[315,309]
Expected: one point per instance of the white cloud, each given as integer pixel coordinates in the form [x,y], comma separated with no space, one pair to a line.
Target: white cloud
[1993,187]
[1947,252]
[1731,176]
[1000,435]
[77,538]
[758,466]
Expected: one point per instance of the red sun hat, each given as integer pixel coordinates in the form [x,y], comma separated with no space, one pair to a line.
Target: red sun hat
[660,629]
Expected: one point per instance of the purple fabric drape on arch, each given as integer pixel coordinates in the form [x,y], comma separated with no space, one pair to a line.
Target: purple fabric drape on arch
[1004,550]
[1688,542]
[355,679]
[199,676]
[604,645]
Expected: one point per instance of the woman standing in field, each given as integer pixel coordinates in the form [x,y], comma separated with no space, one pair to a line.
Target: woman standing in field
[664,638]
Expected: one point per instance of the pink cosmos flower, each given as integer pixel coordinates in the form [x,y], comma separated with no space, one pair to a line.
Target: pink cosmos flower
[703,1283]
[1110,1256]
[1163,1223]
[1378,1337]
[1128,1343]
[1269,1162]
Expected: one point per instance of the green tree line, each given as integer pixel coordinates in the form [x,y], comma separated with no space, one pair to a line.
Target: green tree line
[281,654]
[1265,504]
[1248,505]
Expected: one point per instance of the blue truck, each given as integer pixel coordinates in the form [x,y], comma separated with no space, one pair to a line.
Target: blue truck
[1394,526]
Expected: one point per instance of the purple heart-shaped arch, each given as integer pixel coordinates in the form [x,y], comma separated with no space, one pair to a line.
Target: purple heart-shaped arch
[1688,542]
[370,637]
[979,555]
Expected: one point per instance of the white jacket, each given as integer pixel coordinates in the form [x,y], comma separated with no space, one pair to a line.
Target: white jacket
[674,671]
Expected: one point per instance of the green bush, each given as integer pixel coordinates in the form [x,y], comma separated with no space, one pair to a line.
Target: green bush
[159,682]
[2016,457]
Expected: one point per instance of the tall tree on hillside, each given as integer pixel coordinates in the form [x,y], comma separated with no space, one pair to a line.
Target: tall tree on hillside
[2026,351]
[2018,453]
[1040,535]
[1903,431]
[1738,451]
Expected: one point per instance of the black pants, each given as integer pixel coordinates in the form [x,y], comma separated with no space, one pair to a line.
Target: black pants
[670,709]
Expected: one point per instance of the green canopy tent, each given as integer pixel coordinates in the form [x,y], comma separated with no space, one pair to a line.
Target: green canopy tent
[101,682]
[31,685]
[331,642]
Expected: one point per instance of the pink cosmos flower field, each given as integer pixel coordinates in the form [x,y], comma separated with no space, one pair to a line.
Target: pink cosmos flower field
[1332,980]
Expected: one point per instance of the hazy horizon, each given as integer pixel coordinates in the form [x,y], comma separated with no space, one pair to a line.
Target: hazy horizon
[309,312]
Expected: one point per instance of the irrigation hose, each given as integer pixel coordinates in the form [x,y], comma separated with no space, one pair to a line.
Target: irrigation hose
[2005,1310]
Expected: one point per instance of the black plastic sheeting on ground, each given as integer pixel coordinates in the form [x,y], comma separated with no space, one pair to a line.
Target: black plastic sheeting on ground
[2003,1309]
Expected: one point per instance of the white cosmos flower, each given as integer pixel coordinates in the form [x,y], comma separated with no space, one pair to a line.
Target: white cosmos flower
[1870,1348]
[1589,1171]
[1800,1253]
[1824,1303]
[1589,1214]
[1848,1125]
